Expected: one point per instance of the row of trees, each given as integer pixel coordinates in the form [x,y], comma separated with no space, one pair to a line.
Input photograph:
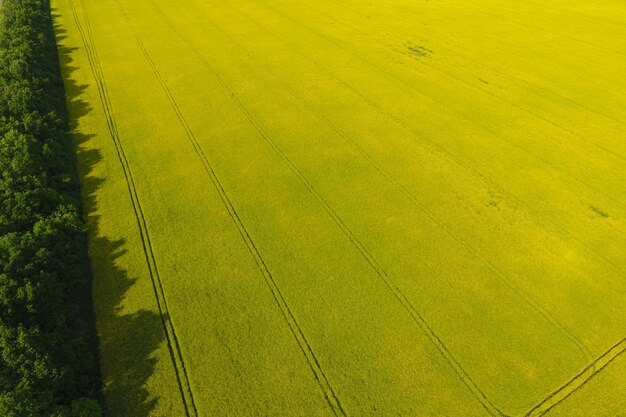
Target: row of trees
[47,365]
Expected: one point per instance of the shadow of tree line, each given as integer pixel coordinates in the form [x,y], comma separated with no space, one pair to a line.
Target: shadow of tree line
[126,342]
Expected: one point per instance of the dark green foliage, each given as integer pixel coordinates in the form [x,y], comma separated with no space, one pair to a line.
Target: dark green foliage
[46,365]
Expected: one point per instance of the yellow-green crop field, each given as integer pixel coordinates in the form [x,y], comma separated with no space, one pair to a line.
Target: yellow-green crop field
[353,208]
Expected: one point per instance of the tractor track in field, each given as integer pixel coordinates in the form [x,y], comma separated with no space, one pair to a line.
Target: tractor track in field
[573,385]
[437,149]
[378,269]
[318,372]
[578,381]
[590,368]
[173,345]
[415,315]
[545,314]
[533,304]
[441,104]
[584,376]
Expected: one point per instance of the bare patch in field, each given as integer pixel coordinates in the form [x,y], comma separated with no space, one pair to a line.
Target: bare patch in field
[420,51]
[598,211]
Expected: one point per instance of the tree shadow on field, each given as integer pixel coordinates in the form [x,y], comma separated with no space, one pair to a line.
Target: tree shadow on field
[127,343]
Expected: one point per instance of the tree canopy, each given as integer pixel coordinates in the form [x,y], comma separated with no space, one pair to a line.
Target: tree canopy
[46,364]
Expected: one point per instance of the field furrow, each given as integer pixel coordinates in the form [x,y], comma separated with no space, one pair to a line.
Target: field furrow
[168,326]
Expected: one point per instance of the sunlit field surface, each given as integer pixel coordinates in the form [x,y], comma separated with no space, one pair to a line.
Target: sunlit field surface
[353,208]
